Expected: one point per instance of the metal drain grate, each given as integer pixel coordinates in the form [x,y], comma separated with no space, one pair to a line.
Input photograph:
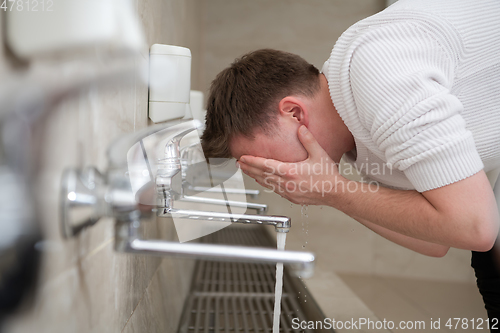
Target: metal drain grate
[229,297]
[231,277]
[216,312]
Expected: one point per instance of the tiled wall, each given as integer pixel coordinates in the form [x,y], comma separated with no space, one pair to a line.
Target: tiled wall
[310,29]
[85,286]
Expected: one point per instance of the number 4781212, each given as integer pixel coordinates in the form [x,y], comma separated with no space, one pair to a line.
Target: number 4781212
[475,324]
[27,5]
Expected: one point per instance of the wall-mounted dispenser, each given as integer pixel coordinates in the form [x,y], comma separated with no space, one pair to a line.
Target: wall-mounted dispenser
[196,109]
[169,82]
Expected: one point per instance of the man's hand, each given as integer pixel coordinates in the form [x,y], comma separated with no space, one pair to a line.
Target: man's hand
[307,182]
[463,214]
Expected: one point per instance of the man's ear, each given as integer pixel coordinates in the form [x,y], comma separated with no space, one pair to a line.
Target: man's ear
[293,108]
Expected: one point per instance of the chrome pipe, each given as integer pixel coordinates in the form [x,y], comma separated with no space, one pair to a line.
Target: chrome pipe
[281,223]
[260,208]
[253,193]
[302,261]
[128,240]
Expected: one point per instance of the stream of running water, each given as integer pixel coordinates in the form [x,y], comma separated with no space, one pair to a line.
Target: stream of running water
[280,240]
[278,290]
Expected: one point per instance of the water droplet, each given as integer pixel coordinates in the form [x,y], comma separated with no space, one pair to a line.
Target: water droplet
[305,222]
[303,210]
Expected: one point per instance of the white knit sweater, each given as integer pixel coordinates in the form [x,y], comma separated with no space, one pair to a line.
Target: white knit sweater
[418,85]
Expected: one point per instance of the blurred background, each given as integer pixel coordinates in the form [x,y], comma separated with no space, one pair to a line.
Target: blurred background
[84,286]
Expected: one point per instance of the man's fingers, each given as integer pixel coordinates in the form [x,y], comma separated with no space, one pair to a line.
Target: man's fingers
[250,170]
[309,142]
[266,166]
[260,176]
[273,185]
[269,180]
[257,162]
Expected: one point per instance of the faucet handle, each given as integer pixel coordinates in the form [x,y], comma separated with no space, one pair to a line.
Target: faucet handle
[172,148]
[81,199]
[170,164]
[120,148]
[169,176]
[87,195]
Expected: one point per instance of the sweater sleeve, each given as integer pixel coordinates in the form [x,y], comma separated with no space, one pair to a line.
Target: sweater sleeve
[401,76]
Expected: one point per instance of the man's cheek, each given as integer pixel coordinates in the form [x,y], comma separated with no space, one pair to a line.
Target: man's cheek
[297,154]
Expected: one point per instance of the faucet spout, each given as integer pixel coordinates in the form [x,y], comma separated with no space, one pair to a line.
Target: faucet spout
[259,208]
[280,223]
[128,239]
[252,193]
[303,262]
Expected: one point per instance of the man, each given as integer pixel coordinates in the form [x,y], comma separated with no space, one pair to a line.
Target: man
[413,91]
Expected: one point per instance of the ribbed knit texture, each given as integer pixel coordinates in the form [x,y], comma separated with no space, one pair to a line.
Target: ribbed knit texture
[418,85]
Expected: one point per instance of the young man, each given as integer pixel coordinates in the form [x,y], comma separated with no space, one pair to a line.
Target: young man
[411,97]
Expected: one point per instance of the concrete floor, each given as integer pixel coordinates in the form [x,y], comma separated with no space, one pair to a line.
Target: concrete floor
[402,299]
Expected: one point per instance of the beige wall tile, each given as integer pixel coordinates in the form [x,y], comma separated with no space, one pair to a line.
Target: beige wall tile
[308,28]
[175,22]
[393,260]
[155,312]
[84,285]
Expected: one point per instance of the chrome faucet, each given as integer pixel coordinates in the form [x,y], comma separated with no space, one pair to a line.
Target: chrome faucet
[170,166]
[195,170]
[127,193]
[169,174]
[280,223]
[194,152]
[259,208]
[129,239]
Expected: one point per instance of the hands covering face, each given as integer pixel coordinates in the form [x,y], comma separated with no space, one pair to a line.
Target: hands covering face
[309,182]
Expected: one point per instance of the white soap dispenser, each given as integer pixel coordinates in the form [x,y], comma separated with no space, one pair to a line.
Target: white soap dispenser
[169,82]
